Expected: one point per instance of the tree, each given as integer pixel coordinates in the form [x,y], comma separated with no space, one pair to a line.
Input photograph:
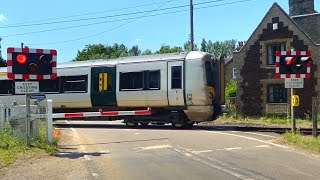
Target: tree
[147,52]
[204,47]
[167,49]
[187,46]
[100,51]
[134,51]
[3,63]
[221,48]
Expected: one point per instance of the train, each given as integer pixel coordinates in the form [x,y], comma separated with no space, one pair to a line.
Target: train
[180,88]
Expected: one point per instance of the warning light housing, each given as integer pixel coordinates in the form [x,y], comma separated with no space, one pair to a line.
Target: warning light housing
[28,64]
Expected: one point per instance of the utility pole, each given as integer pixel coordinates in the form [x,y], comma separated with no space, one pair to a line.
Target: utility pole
[191,25]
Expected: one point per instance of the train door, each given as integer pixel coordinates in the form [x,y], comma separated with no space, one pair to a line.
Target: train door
[103,86]
[175,83]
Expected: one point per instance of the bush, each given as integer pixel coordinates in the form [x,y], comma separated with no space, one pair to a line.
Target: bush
[231,89]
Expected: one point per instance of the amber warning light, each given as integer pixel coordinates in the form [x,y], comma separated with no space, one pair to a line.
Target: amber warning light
[21,58]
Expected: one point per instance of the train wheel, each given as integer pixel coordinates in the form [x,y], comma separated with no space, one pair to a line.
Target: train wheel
[131,124]
[144,124]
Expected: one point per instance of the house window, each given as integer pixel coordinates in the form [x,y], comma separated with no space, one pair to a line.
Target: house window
[271,52]
[234,73]
[277,93]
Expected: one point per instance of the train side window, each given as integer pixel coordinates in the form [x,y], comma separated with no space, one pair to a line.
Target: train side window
[176,77]
[6,87]
[154,80]
[75,84]
[131,81]
[49,86]
[109,82]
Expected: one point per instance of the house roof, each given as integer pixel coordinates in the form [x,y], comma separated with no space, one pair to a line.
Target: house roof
[275,9]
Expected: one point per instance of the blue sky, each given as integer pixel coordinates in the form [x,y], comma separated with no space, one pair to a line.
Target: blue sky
[233,21]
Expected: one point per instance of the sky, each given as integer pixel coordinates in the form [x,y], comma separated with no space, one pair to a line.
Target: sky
[146,23]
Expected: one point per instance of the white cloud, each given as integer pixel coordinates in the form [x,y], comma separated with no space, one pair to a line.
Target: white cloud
[138,40]
[3,18]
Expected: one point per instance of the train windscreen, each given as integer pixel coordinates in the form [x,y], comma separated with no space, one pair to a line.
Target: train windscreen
[209,74]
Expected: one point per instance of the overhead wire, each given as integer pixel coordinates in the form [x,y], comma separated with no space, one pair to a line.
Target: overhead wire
[132,20]
[108,16]
[98,12]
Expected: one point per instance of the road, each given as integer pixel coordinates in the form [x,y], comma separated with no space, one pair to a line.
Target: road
[112,151]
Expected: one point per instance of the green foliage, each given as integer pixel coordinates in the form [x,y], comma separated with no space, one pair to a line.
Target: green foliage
[231,89]
[147,52]
[187,46]
[305,142]
[204,47]
[100,51]
[167,49]
[219,48]
[11,147]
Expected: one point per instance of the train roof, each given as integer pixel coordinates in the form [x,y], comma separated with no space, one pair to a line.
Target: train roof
[130,59]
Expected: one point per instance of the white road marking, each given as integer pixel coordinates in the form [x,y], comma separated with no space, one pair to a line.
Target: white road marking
[136,133]
[245,137]
[72,129]
[87,157]
[163,146]
[198,152]
[216,166]
[105,151]
[233,148]
[95,174]
[263,146]
[265,135]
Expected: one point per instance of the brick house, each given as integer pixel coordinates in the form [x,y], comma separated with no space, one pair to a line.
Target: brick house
[259,91]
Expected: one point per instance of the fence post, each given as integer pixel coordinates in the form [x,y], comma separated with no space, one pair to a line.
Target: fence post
[315,117]
[49,120]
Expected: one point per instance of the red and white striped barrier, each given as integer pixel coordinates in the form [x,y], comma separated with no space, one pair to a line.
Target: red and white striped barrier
[102,114]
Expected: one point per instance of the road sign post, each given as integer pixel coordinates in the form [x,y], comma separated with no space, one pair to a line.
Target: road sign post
[30,64]
[294,66]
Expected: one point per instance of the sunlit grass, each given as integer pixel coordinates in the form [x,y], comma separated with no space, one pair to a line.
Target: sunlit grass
[304,142]
[12,147]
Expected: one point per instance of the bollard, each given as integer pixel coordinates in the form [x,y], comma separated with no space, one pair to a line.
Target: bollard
[315,117]
[49,120]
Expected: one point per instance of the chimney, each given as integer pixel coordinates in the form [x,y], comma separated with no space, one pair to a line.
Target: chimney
[301,7]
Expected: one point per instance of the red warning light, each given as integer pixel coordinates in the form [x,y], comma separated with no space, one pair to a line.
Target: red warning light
[290,61]
[22,59]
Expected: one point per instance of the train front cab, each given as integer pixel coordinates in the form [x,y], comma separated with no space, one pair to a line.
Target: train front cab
[204,87]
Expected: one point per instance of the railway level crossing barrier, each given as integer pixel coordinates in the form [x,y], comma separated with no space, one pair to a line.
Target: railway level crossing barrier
[50,116]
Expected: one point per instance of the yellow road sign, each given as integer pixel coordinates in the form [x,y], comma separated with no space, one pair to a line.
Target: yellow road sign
[295,101]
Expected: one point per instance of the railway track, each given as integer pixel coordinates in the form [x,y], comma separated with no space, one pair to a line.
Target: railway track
[279,130]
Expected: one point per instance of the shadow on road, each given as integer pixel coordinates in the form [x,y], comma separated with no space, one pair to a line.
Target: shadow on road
[76,155]
[119,142]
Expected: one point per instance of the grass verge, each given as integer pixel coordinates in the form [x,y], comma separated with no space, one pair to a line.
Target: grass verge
[304,142]
[12,147]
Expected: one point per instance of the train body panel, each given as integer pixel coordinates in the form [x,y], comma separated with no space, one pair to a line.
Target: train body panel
[185,82]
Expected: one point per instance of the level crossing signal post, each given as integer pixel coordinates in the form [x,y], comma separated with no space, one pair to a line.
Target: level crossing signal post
[32,66]
[294,67]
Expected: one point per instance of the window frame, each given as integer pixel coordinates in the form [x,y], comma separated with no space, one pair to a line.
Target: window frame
[277,101]
[158,80]
[137,89]
[53,92]
[179,78]
[280,46]
[10,92]
[63,81]
[234,73]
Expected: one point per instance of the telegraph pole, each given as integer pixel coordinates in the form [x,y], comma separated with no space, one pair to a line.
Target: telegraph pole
[191,25]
